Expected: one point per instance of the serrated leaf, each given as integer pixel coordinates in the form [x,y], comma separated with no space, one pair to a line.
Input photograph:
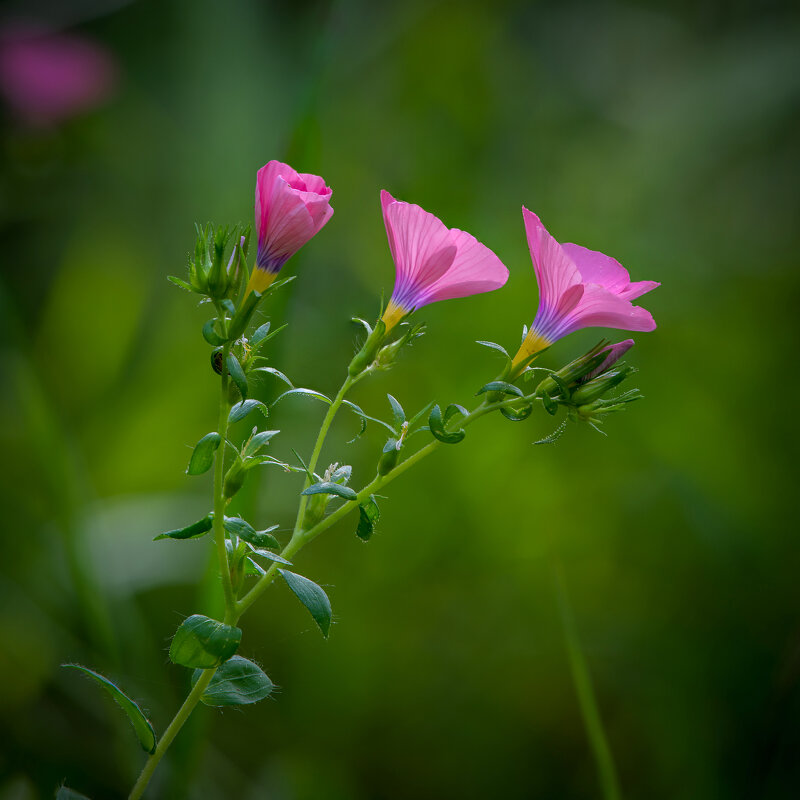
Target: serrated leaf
[237,373]
[328,487]
[179,282]
[193,531]
[245,531]
[259,334]
[141,725]
[203,454]
[555,435]
[244,407]
[276,372]
[305,393]
[501,386]
[313,597]
[398,415]
[368,516]
[203,642]
[211,335]
[437,428]
[237,682]
[495,346]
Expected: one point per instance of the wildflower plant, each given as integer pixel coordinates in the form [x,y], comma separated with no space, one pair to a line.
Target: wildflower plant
[578,288]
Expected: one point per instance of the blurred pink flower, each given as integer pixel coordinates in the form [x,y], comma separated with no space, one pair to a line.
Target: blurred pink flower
[290,208]
[433,262]
[48,77]
[578,288]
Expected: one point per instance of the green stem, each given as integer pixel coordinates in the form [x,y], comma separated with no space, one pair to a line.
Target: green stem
[604,759]
[219,496]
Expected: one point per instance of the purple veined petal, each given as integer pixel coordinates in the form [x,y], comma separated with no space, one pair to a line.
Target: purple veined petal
[555,271]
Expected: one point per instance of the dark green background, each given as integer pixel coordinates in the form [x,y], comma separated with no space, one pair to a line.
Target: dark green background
[663,134]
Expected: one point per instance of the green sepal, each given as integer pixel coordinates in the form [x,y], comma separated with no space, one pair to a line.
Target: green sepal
[237,373]
[550,405]
[244,530]
[238,682]
[193,531]
[368,516]
[328,487]
[179,282]
[203,642]
[241,409]
[203,454]
[555,435]
[313,597]
[144,730]
[494,346]
[501,386]
[437,428]
[211,335]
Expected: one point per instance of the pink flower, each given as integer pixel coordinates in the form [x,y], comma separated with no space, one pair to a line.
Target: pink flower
[290,208]
[578,288]
[433,262]
[47,77]
[614,353]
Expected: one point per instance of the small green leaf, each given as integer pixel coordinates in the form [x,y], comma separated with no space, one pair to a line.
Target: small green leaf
[550,405]
[562,386]
[259,334]
[328,487]
[398,414]
[342,474]
[452,410]
[179,282]
[211,335]
[278,559]
[436,423]
[517,414]
[144,730]
[203,454]
[555,435]
[237,373]
[244,530]
[238,682]
[368,515]
[305,393]
[276,372]
[357,410]
[193,531]
[312,597]
[501,386]
[203,642]
[495,346]
[267,336]
[241,409]
[257,441]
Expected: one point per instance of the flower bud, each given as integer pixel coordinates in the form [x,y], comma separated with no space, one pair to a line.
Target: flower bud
[388,459]
[366,355]
[597,387]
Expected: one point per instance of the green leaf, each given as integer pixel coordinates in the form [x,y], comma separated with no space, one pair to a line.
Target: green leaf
[244,530]
[357,410]
[237,373]
[244,407]
[421,415]
[517,414]
[452,410]
[193,531]
[368,515]
[203,454]
[312,597]
[436,423]
[211,335]
[264,338]
[179,282]
[550,405]
[555,435]
[203,642]
[278,559]
[257,441]
[495,346]
[259,334]
[276,372]
[398,414]
[238,682]
[501,386]
[305,393]
[328,487]
[144,730]
[562,386]
[342,474]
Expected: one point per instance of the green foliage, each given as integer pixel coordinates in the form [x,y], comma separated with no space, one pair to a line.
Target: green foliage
[436,424]
[245,531]
[238,682]
[237,374]
[203,642]
[312,596]
[193,531]
[141,725]
[241,409]
[328,487]
[368,516]
[203,454]
[501,386]
[303,393]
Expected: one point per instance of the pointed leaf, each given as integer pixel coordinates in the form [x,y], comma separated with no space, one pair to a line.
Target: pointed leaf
[398,414]
[501,386]
[179,282]
[259,334]
[203,454]
[278,559]
[452,410]
[237,682]
[257,441]
[368,515]
[328,487]
[244,407]
[437,428]
[357,410]
[144,730]
[245,531]
[420,415]
[276,372]
[203,642]
[495,346]
[555,435]
[517,414]
[312,597]
[305,393]
[193,531]
[237,373]
[550,405]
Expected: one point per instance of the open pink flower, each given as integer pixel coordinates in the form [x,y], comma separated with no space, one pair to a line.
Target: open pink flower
[290,208]
[433,262]
[578,288]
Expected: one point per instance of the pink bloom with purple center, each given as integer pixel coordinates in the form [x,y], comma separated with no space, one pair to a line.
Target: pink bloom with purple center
[290,208]
[578,288]
[433,262]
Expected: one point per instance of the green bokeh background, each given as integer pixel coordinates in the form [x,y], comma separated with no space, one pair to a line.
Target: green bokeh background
[664,134]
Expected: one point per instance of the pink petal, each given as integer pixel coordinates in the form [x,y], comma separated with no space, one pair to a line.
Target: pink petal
[555,270]
[595,267]
[289,224]
[599,308]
